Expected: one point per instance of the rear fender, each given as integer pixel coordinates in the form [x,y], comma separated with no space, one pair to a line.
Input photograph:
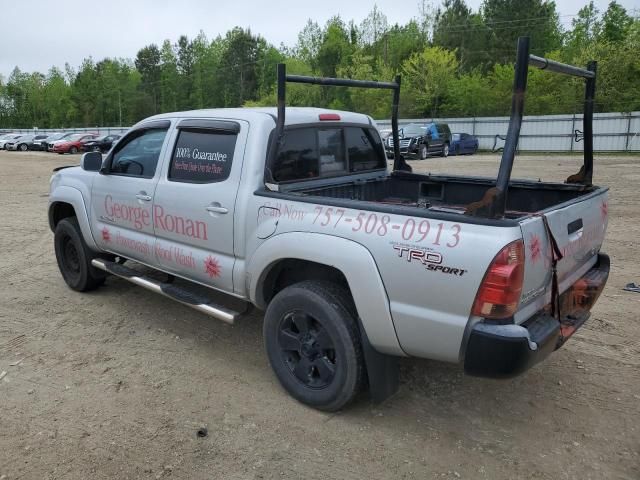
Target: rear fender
[73,197]
[352,259]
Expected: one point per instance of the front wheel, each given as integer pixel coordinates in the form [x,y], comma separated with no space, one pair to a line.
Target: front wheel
[422,152]
[74,257]
[23,147]
[445,150]
[313,344]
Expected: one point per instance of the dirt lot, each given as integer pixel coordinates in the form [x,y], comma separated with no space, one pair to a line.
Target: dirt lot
[115,384]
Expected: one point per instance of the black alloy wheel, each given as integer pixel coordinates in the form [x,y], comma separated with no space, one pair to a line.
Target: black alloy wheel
[307,350]
[313,343]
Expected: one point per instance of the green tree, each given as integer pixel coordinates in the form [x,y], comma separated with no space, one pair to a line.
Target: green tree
[239,74]
[615,23]
[509,19]
[168,78]
[148,63]
[427,76]
[457,27]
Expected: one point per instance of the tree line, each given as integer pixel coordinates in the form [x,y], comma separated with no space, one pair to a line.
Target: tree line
[454,61]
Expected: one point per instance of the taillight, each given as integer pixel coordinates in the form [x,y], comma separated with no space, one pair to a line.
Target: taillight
[500,291]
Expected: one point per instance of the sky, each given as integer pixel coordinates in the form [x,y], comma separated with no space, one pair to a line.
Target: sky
[71,30]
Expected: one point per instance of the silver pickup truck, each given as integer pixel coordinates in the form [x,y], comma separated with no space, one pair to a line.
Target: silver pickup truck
[295,211]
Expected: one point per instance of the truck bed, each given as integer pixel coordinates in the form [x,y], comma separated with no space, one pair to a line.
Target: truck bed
[450,194]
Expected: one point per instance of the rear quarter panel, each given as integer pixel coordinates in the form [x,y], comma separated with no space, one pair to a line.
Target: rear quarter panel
[430,269]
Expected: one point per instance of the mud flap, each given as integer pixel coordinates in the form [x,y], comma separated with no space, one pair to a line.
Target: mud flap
[383,371]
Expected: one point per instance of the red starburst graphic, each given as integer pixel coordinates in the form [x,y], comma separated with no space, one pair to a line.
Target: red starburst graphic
[212,266]
[604,209]
[534,248]
[106,235]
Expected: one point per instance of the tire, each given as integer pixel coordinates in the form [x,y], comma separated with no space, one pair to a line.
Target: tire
[445,150]
[73,150]
[23,147]
[423,152]
[74,257]
[313,343]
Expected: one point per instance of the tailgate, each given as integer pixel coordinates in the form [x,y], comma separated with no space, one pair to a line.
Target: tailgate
[578,227]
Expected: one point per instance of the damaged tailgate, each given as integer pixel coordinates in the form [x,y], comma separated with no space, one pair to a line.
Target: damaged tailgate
[578,228]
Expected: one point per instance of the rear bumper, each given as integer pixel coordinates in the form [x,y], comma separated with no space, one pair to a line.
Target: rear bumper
[502,351]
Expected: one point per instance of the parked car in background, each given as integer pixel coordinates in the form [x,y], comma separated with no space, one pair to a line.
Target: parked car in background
[56,137]
[19,143]
[420,140]
[26,142]
[8,138]
[40,142]
[463,144]
[71,144]
[385,132]
[100,144]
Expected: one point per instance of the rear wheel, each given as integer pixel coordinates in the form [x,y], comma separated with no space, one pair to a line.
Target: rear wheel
[74,257]
[73,150]
[313,344]
[445,150]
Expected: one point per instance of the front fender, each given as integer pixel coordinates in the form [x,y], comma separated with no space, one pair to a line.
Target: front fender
[352,259]
[73,196]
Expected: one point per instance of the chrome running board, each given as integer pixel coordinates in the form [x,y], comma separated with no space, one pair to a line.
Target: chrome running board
[169,290]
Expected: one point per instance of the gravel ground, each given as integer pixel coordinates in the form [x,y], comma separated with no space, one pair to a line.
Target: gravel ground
[116,383]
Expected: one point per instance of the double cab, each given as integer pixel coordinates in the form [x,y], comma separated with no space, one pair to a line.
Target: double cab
[295,212]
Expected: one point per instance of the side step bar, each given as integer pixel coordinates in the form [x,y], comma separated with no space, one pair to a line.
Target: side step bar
[174,292]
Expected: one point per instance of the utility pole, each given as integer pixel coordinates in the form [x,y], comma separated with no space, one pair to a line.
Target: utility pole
[119,110]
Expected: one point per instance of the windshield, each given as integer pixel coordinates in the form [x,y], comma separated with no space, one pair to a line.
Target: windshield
[413,129]
[456,136]
[55,136]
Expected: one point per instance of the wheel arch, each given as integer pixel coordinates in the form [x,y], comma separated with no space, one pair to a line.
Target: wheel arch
[306,256]
[66,202]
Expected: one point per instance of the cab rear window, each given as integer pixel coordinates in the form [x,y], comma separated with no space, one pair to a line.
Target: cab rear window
[309,153]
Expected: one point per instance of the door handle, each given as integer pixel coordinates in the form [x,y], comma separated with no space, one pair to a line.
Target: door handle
[144,197]
[216,208]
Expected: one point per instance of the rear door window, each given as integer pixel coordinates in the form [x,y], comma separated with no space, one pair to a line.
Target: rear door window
[202,156]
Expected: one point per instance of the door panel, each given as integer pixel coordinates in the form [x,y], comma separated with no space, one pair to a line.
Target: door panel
[435,145]
[195,202]
[122,197]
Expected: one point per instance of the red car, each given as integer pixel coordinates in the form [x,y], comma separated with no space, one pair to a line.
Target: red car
[71,144]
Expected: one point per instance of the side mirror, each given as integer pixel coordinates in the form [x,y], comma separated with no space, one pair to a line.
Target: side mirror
[91,161]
